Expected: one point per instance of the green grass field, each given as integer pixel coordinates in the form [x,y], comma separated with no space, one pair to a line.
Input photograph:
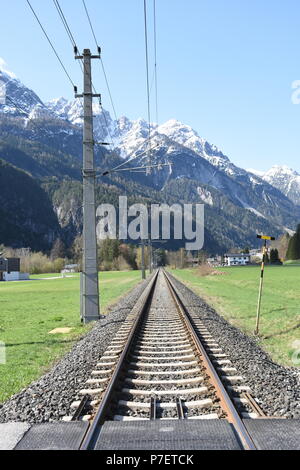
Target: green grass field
[234,295]
[29,310]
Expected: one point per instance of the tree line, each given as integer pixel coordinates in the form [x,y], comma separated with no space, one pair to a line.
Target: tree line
[117,255]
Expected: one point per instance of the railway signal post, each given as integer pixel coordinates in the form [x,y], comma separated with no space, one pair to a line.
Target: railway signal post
[89,290]
[265,238]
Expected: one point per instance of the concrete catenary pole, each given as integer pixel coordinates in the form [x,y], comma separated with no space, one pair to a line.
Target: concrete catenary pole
[150,249]
[89,290]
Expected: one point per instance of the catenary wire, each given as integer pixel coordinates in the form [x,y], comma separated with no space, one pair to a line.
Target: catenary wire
[50,42]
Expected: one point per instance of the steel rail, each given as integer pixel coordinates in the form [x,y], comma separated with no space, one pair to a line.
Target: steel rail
[179,408]
[153,408]
[92,433]
[226,403]
[254,405]
[80,408]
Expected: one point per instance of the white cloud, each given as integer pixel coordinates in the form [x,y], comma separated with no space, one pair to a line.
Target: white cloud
[3,67]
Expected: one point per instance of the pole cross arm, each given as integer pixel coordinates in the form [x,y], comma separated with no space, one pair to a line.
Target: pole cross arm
[86,172]
[265,237]
[94,95]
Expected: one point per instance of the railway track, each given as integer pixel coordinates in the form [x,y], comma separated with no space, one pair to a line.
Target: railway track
[163,364]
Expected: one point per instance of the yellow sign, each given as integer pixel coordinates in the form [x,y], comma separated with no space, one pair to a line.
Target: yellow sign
[265,237]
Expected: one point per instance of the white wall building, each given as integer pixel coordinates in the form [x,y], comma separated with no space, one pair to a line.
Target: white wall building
[237,259]
[10,270]
[70,268]
[15,276]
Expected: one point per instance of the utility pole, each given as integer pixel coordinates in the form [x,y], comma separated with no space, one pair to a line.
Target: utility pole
[89,289]
[150,254]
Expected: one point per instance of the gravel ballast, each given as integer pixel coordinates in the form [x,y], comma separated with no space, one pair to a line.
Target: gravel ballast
[277,388]
[49,398]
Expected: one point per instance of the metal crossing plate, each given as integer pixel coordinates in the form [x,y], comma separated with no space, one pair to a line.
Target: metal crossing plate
[54,436]
[167,435]
[274,434]
[11,433]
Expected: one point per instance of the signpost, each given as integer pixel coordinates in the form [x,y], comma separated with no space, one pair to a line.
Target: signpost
[265,238]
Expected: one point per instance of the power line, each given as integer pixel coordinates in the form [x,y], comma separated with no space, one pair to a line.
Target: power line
[148,141]
[80,62]
[24,112]
[147,75]
[65,23]
[131,159]
[155,59]
[51,44]
[89,19]
[101,60]
[107,82]
[16,105]
[136,169]
[69,33]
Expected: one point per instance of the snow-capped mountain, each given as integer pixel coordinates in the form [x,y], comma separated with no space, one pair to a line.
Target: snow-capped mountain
[17,93]
[188,137]
[195,169]
[72,111]
[283,178]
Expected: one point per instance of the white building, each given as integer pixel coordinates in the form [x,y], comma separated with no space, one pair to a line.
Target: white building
[70,268]
[10,270]
[15,276]
[256,254]
[237,259]
[215,260]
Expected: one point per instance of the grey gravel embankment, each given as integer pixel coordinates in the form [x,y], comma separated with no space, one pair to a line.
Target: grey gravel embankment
[276,387]
[49,398]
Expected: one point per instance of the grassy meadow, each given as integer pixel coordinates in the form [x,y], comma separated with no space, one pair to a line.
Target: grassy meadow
[29,310]
[234,295]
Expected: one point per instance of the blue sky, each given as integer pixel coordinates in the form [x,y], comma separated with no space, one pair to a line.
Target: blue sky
[225,67]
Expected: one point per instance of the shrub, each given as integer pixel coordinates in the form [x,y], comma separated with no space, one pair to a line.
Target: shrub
[204,270]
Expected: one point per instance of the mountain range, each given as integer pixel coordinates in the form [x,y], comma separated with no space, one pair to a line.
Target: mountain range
[283,178]
[44,140]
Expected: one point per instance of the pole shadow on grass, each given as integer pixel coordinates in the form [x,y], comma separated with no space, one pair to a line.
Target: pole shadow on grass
[8,345]
[283,332]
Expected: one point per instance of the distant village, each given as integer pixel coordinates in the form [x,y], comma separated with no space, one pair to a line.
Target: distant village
[10,268]
[113,255]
